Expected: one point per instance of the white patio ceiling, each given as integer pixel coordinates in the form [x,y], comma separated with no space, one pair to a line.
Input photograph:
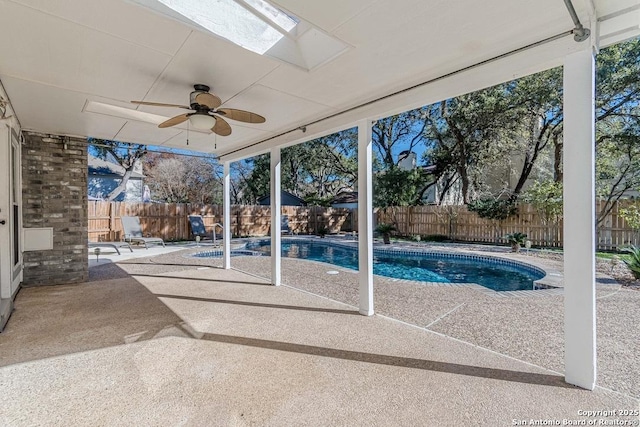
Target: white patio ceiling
[59,56]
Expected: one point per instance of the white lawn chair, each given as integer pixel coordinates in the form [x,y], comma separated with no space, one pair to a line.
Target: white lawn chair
[114,245]
[133,232]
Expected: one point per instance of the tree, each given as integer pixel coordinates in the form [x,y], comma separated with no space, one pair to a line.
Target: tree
[546,199]
[469,137]
[495,210]
[484,138]
[241,172]
[316,170]
[398,187]
[459,130]
[617,169]
[405,129]
[254,181]
[179,179]
[618,123]
[539,101]
[331,165]
[126,155]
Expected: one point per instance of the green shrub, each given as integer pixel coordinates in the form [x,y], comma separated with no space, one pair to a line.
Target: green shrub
[516,240]
[631,215]
[385,228]
[633,263]
[493,209]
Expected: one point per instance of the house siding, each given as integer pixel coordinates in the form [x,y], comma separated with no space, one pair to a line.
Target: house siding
[100,186]
[54,183]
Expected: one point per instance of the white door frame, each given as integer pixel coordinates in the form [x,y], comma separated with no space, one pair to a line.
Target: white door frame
[11,215]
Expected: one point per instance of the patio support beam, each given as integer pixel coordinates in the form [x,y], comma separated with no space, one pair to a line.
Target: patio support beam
[226,215]
[579,224]
[365,218]
[276,207]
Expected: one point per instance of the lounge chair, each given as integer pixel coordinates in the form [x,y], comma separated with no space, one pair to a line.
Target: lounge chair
[198,228]
[114,245]
[284,224]
[133,232]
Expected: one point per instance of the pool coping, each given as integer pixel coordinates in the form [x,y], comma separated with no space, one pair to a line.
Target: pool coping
[550,284]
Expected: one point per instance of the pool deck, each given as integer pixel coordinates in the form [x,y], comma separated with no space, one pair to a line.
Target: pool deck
[169,339]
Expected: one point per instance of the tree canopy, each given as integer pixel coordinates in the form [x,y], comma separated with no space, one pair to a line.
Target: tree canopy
[316,170]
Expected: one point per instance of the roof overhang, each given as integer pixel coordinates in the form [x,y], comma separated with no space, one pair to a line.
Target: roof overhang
[71,67]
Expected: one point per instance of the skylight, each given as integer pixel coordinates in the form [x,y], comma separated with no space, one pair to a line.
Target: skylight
[275,15]
[229,20]
[255,25]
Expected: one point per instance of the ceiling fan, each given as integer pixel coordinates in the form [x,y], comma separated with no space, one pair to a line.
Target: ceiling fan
[206,114]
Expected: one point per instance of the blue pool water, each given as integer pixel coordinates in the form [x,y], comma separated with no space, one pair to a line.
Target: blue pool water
[424,267]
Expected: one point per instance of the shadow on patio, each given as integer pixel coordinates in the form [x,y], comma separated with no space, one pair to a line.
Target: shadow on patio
[125,348]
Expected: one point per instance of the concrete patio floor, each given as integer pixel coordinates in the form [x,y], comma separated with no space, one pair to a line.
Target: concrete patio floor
[527,327]
[191,345]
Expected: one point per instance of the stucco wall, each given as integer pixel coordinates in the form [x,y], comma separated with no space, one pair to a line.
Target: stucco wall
[54,194]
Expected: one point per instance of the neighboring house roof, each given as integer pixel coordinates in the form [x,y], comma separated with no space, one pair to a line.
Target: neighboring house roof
[287,199]
[346,197]
[105,168]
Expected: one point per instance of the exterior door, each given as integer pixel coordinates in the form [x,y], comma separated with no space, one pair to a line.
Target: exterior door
[10,218]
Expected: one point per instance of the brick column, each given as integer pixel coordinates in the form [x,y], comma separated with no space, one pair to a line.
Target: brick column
[54,194]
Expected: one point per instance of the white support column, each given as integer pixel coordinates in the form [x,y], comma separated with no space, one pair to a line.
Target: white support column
[579,222]
[365,218]
[276,229]
[226,214]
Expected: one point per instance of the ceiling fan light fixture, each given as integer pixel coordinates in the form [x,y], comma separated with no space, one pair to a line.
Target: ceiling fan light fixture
[202,121]
[205,115]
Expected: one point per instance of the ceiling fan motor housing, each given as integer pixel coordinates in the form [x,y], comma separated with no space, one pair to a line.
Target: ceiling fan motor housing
[199,88]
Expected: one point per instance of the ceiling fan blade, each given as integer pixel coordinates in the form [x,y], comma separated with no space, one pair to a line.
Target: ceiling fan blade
[174,121]
[221,127]
[209,100]
[241,115]
[159,104]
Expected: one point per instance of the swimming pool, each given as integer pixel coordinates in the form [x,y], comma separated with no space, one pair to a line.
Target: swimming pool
[490,272]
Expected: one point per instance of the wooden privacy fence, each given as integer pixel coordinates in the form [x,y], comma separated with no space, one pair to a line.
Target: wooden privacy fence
[170,220]
[457,223]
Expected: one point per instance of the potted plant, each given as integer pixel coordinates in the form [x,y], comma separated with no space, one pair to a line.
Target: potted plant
[385,230]
[516,240]
[322,231]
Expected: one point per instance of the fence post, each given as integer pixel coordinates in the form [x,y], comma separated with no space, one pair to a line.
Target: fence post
[238,220]
[112,231]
